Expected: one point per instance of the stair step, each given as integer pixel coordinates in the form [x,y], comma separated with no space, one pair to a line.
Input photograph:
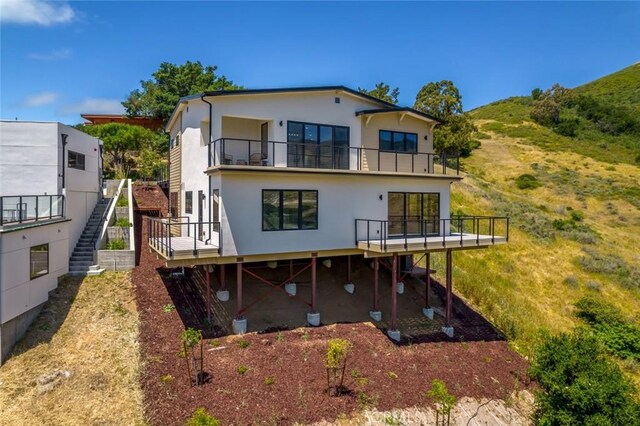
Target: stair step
[81,258]
[86,263]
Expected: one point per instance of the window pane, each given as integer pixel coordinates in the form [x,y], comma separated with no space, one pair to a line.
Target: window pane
[270,210]
[290,210]
[310,145]
[431,212]
[385,141]
[411,142]
[309,210]
[39,261]
[294,149]
[398,141]
[326,147]
[294,132]
[188,202]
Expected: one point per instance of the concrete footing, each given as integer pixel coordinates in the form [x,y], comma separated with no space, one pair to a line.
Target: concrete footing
[239,326]
[394,335]
[349,288]
[222,295]
[448,331]
[400,287]
[375,315]
[291,288]
[313,318]
[428,312]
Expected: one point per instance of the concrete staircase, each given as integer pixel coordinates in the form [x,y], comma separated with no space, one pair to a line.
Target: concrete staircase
[81,262]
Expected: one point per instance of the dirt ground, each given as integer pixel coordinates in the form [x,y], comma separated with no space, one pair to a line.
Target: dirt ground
[285,378]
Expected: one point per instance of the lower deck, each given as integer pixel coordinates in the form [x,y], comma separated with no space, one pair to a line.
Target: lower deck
[180,248]
[420,244]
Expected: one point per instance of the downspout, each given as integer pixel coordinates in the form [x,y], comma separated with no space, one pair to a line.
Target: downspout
[209,162]
[168,170]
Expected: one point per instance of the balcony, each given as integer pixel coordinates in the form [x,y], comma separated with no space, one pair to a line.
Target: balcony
[384,236]
[248,152]
[178,238]
[22,209]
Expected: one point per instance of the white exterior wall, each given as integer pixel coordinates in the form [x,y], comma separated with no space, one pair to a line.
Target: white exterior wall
[341,200]
[18,293]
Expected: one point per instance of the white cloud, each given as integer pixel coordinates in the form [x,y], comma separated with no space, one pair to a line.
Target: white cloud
[94,106]
[40,99]
[53,55]
[39,12]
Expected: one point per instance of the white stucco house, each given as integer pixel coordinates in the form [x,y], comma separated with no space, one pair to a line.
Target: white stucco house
[273,175]
[50,183]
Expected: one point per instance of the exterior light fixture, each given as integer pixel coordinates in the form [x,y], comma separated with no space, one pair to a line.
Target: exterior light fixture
[380,196]
[280,123]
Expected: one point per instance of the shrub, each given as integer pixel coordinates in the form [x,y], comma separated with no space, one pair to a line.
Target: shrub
[443,399]
[122,201]
[567,127]
[269,380]
[243,343]
[570,281]
[123,223]
[241,370]
[593,285]
[336,363]
[200,417]
[527,181]
[577,215]
[116,244]
[580,385]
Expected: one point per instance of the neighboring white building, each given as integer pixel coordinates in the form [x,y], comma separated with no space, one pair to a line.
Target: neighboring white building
[281,174]
[49,185]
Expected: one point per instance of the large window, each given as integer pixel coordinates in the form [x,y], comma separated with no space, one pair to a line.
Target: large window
[76,160]
[188,202]
[317,145]
[413,213]
[284,210]
[39,261]
[398,141]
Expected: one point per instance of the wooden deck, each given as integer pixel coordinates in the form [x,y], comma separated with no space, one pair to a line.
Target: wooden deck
[436,243]
[183,248]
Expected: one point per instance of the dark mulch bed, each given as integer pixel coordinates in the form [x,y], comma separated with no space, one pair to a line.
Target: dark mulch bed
[397,375]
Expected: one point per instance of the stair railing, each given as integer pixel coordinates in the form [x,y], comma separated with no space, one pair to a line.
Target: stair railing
[106,216]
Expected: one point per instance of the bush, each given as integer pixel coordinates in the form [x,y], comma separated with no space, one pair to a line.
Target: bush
[567,127]
[577,215]
[116,244]
[123,223]
[122,201]
[241,370]
[200,417]
[443,400]
[527,181]
[571,281]
[580,385]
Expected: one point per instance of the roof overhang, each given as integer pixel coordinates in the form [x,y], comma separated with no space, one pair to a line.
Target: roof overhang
[402,111]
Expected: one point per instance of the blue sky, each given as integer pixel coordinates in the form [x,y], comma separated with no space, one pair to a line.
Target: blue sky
[62,58]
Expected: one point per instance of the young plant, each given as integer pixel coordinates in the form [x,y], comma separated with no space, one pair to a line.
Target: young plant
[243,343]
[167,309]
[443,400]
[122,202]
[241,370]
[200,417]
[336,363]
[116,244]
[123,223]
[269,380]
[191,339]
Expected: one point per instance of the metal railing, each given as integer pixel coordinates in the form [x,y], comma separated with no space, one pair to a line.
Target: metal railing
[160,234]
[433,233]
[249,152]
[29,208]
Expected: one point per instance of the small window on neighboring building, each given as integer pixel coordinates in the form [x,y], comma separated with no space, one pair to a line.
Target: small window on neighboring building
[398,141]
[289,210]
[188,202]
[39,261]
[76,160]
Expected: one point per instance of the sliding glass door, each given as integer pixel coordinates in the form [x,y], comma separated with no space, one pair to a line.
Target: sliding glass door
[413,214]
[317,146]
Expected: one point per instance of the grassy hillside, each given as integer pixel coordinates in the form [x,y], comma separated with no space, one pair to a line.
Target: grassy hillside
[622,87]
[576,234]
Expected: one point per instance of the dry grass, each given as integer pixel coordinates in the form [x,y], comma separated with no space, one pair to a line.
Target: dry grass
[520,286]
[87,331]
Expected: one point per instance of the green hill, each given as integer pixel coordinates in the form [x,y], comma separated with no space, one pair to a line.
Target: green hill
[575,233]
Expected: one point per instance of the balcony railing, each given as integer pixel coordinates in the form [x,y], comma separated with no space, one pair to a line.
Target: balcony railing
[28,208]
[171,236]
[432,233]
[248,152]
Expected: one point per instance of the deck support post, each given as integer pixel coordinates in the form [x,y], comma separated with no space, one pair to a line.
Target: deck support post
[427,310]
[313,317]
[290,287]
[222,294]
[375,313]
[349,286]
[393,332]
[208,274]
[448,328]
[239,323]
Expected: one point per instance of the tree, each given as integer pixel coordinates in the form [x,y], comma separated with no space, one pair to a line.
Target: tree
[159,95]
[444,401]
[122,143]
[547,105]
[442,100]
[536,93]
[383,92]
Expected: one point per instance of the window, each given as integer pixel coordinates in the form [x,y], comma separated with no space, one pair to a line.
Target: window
[284,210]
[413,213]
[317,145]
[188,202]
[398,141]
[39,260]
[76,160]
